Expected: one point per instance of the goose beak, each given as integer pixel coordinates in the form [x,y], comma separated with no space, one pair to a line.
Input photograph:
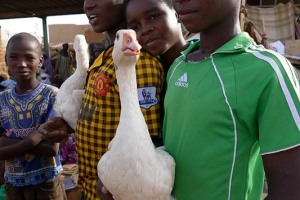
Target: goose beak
[130,45]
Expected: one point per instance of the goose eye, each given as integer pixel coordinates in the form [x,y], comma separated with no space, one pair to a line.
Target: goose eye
[117,36]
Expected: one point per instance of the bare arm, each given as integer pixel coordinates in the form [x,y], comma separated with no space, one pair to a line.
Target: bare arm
[103,192]
[9,149]
[283,174]
[44,148]
[55,130]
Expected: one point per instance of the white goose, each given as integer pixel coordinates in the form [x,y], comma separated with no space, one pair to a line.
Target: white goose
[133,168]
[69,96]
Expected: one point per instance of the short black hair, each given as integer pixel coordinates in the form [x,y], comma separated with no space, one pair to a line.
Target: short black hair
[65,45]
[25,36]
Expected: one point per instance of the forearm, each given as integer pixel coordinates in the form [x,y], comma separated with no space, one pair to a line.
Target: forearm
[157,141]
[283,175]
[45,149]
[55,130]
[13,148]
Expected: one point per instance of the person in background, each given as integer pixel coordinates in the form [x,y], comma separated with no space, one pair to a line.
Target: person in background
[42,76]
[157,27]
[231,111]
[63,63]
[158,30]
[2,88]
[47,64]
[100,112]
[6,82]
[32,164]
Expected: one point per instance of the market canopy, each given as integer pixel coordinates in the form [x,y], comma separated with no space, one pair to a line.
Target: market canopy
[39,8]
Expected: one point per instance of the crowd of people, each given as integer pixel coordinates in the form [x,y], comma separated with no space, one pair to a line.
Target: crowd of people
[227,109]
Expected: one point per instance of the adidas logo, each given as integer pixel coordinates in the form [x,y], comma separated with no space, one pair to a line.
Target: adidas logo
[182,81]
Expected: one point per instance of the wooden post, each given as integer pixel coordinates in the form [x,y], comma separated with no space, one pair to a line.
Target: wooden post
[3,68]
[242,16]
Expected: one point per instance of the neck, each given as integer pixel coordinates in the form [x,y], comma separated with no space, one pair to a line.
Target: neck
[126,77]
[111,34]
[169,56]
[25,86]
[216,36]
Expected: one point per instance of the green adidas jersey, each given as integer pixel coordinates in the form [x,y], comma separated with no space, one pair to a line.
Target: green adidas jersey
[222,113]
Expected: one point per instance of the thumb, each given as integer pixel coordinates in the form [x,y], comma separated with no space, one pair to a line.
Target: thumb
[104,190]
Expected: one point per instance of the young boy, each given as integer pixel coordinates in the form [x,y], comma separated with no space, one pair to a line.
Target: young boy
[99,115]
[231,111]
[32,164]
[157,27]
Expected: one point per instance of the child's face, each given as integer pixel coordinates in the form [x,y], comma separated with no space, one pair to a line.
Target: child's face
[201,15]
[23,59]
[155,24]
[104,15]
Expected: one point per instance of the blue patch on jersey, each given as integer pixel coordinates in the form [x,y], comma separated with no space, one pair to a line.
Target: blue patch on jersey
[147,97]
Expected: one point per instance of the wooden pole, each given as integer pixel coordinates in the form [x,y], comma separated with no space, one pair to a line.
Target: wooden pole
[3,68]
[242,16]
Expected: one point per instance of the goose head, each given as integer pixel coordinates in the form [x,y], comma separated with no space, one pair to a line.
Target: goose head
[126,48]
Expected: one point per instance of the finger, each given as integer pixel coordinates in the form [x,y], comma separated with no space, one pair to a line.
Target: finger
[42,131]
[104,190]
[56,137]
[53,134]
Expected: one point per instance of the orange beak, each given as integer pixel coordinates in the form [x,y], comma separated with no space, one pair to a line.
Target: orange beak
[130,45]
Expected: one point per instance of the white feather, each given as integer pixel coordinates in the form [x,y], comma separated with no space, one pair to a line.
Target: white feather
[133,168]
[69,96]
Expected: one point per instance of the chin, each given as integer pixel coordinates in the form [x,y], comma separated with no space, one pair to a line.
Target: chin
[156,52]
[98,29]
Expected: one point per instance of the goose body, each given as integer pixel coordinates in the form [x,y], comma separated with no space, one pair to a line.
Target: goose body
[69,96]
[133,168]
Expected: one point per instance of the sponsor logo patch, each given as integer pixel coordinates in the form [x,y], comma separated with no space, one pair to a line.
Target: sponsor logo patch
[102,84]
[147,97]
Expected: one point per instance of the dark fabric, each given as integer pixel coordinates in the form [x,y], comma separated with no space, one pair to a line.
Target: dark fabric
[48,190]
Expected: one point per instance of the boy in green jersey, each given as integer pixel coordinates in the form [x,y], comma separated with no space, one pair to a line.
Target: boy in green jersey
[231,111]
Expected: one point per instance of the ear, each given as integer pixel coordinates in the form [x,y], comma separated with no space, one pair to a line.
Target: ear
[41,61]
[8,68]
[5,58]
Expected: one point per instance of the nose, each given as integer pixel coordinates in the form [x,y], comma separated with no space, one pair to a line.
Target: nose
[88,4]
[21,62]
[146,30]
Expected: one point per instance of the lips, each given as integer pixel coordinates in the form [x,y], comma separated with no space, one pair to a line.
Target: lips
[150,41]
[184,13]
[92,18]
[22,72]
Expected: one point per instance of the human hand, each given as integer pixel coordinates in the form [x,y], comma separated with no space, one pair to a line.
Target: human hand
[33,139]
[56,136]
[54,130]
[103,192]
